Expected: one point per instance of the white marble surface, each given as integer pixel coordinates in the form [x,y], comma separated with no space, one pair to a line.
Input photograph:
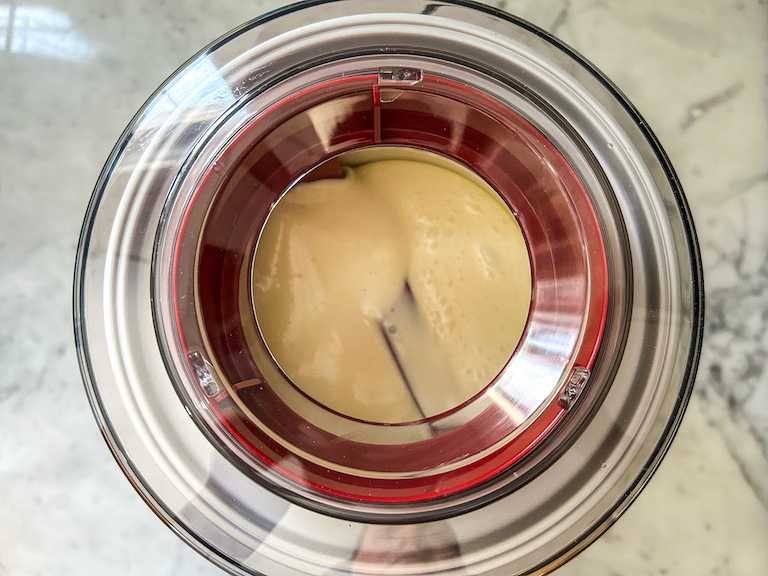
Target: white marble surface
[73,72]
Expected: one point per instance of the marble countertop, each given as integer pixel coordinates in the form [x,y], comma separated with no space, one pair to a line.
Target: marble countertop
[73,74]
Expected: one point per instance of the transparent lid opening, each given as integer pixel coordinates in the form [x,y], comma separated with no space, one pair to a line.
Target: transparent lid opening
[317,447]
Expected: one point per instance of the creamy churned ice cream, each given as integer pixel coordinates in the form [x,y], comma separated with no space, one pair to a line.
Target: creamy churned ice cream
[396,292]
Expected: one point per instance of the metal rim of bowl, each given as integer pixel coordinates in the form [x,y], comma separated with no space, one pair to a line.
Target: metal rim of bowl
[90,257]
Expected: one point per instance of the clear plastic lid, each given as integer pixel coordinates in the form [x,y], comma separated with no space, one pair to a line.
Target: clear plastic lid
[229,447]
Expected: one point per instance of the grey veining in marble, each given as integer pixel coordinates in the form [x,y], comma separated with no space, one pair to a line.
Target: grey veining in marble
[72,73]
